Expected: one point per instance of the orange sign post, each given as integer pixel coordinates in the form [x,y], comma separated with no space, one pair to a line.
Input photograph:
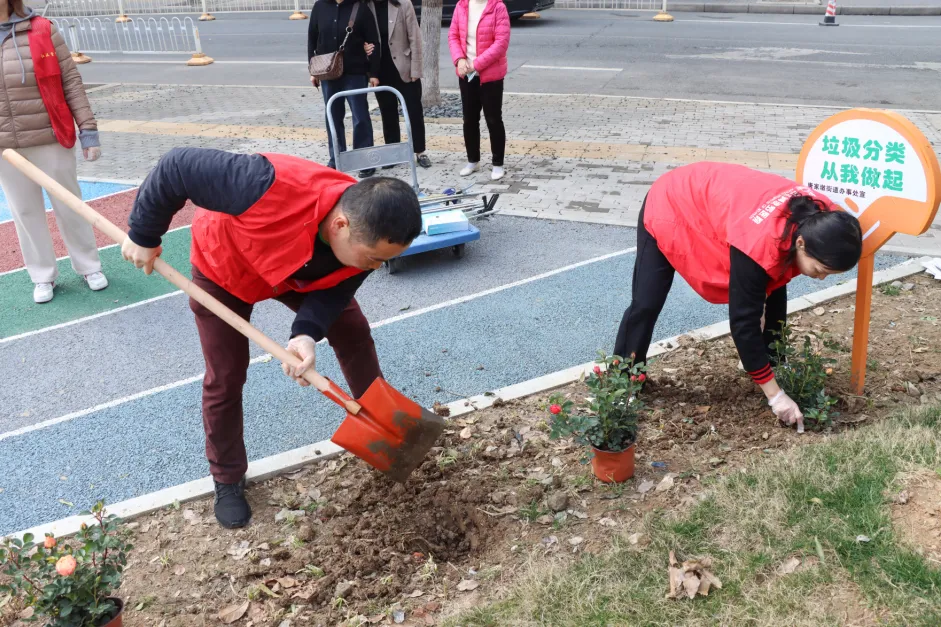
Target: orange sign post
[878,166]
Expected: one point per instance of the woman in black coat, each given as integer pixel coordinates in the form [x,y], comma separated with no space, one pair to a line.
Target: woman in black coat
[328,24]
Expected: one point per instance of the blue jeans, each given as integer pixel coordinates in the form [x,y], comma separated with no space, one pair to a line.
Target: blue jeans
[362,124]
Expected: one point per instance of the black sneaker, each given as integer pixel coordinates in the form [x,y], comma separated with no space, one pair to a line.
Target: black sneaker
[365,174]
[231,509]
[424,161]
[387,167]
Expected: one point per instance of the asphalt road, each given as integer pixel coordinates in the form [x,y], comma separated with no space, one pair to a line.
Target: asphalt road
[874,61]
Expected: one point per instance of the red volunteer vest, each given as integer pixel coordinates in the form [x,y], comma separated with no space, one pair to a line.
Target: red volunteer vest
[252,255]
[696,212]
[49,79]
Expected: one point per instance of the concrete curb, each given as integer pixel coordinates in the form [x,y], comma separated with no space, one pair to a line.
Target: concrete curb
[291,460]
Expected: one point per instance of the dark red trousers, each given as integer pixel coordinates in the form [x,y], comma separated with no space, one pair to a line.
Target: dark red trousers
[226,353]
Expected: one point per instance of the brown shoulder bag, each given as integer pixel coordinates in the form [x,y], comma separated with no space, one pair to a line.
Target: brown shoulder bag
[328,67]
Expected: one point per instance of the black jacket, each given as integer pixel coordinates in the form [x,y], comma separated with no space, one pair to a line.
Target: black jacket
[231,183]
[328,21]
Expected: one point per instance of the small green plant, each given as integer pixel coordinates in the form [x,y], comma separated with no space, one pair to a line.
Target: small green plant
[70,583]
[447,458]
[608,419]
[802,374]
[531,512]
[314,572]
[889,290]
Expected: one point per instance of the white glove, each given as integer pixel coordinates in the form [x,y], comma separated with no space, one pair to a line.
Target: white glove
[91,154]
[304,348]
[787,410]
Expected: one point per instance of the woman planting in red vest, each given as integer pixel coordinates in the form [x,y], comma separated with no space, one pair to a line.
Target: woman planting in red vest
[43,100]
[737,236]
[271,226]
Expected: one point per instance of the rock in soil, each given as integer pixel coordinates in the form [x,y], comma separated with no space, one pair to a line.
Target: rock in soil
[558,501]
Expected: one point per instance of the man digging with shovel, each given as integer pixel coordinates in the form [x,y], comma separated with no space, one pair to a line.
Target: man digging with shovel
[271,226]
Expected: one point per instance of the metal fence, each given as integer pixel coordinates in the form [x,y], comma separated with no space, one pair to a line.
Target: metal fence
[92,8]
[96,35]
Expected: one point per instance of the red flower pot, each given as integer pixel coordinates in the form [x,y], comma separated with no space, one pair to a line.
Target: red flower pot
[117,621]
[613,467]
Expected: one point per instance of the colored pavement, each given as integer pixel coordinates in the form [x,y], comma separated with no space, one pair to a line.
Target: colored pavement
[154,439]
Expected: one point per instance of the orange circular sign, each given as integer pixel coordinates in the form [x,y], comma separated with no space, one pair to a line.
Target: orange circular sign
[878,166]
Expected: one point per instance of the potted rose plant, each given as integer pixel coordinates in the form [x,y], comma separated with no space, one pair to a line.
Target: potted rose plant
[607,420]
[68,583]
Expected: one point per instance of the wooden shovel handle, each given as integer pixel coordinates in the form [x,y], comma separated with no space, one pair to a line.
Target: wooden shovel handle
[325,385]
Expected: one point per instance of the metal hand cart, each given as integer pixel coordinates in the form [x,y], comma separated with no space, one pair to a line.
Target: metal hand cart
[473,205]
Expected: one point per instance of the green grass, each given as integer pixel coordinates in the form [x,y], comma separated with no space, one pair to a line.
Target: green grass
[809,503]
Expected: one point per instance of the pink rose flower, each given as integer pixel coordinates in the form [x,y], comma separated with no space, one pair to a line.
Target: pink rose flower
[66,565]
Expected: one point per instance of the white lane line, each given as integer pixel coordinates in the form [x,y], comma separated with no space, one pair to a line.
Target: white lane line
[267,357]
[123,191]
[56,327]
[572,67]
[120,401]
[179,228]
[814,24]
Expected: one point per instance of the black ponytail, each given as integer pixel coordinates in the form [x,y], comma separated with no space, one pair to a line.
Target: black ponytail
[834,238]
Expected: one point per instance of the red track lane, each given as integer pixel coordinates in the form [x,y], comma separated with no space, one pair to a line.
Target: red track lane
[115,208]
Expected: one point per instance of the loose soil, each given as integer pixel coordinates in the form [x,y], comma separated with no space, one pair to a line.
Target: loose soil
[337,542]
[916,515]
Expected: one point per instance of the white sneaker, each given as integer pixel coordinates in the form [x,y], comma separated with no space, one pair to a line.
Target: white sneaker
[469,169]
[498,173]
[42,292]
[96,281]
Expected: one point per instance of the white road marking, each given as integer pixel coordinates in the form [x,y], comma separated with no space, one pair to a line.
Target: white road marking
[268,357]
[179,228]
[85,199]
[572,67]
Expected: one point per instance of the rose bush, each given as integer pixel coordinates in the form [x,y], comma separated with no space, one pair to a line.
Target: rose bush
[607,420]
[68,583]
[802,374]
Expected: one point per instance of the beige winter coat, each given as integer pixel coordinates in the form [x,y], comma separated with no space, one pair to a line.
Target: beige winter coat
[24,121]
[404,39]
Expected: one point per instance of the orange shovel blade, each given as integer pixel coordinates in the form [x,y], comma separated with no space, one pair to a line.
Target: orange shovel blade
[392,433]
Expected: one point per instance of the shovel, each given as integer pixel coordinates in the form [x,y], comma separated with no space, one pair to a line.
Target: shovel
[383,427]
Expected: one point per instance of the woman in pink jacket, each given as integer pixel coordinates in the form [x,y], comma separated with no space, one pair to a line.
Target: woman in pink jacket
[479,38]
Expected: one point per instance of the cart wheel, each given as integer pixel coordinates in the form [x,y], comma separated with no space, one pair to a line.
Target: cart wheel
[458,251]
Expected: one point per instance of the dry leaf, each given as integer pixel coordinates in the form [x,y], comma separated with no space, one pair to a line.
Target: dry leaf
[415,594]
[545,519]
[819,311]
[233,613]
[702,409]
[179,570]
[467,585]
[304,595]
[789,566]
[607,522]
[577,514]
[691,585]
[576,540]
[287,582]
[635,538]
[466,433]
[665,484]
[240,549]
[713,580]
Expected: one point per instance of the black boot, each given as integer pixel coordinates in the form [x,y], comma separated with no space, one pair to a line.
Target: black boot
[231,508]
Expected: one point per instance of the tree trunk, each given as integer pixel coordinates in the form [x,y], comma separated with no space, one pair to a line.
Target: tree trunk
[431,45]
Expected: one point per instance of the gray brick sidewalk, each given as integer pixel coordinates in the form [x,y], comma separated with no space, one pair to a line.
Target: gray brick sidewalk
[597,186]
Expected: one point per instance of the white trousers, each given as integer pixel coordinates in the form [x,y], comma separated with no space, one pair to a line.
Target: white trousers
[29,215]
